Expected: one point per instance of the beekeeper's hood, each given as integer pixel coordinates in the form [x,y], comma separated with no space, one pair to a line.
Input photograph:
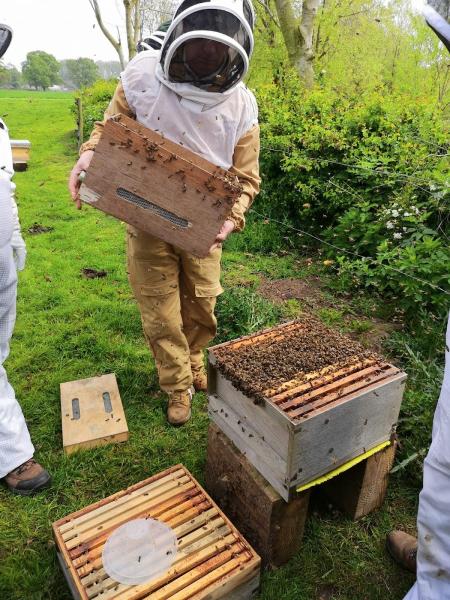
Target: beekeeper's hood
[5,38]
[437,15]
[207,49]
[155,40]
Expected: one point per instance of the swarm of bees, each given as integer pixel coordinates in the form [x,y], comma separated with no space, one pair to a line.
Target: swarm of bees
[271,361]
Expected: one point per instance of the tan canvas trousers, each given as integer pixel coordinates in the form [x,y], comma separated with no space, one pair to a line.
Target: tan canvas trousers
[176,293]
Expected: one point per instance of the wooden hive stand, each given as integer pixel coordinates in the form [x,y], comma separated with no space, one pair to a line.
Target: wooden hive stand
[273,526]
[270,441]
[213,561]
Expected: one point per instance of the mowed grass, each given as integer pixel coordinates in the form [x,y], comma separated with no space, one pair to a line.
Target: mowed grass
[70,327]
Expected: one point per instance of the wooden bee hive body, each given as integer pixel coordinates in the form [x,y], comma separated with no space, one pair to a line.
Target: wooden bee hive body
[304,429]
[21,154]
[213,561]
[158,186]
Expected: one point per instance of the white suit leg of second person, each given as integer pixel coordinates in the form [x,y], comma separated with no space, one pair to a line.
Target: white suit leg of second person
[15,442]
[433,521]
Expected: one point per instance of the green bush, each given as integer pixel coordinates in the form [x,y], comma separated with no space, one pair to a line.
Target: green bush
[95,100]
[370,176]
[241,311]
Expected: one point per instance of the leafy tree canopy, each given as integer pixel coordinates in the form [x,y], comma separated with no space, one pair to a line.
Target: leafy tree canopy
[80,72]
[41,70]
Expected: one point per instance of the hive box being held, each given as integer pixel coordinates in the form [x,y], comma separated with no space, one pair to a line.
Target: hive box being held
[300,400]
[213,560]
[158,186]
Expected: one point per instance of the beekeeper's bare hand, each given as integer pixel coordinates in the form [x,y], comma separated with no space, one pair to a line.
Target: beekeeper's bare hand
[74,183]
[227,228]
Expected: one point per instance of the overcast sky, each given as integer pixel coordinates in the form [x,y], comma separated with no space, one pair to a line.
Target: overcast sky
[64,28]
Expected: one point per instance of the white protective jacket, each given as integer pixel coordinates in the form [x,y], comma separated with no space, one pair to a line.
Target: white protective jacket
[15,442]
[210,131]
[433,520]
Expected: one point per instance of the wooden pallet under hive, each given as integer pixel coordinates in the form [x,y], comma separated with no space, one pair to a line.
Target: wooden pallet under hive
[307,426]
[213,561]
[159,186]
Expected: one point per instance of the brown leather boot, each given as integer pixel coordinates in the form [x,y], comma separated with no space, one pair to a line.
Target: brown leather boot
[403,549]
[179,410]
[28,478]
[200,379]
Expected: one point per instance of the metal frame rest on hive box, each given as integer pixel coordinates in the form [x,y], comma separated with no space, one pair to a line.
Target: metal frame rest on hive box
[307,429]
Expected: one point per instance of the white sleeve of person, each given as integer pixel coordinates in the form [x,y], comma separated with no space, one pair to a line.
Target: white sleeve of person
[8,187]
[17,241]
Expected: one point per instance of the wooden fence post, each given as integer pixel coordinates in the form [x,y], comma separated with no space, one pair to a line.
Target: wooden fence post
[80,120]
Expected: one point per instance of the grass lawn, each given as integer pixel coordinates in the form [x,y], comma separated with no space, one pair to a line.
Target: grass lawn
[70,327]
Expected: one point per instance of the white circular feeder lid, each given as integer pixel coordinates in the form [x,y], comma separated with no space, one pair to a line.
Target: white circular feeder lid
[139,551]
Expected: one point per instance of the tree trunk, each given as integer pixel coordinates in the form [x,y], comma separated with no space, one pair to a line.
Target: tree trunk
[133,24]
[298,35]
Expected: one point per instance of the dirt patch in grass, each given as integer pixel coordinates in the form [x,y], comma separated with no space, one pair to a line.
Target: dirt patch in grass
[377,335]
[371,332]
[326,592]
[306,290]
[93,273]
[36,229]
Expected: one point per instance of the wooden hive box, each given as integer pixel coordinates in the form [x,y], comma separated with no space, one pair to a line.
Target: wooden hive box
[92,413]
[158,186]
[214,561]
[20,153]
[305,423]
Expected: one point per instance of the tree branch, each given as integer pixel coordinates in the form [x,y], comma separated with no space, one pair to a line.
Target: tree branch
[269,12]
[115,43]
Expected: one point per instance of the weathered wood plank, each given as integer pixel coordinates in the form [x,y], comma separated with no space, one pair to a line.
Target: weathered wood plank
[328,439]
[271,422]
[362,489]
[260,454]
[158,186]
[273,527]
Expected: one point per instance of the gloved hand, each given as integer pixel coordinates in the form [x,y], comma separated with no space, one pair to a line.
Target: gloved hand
[19,249]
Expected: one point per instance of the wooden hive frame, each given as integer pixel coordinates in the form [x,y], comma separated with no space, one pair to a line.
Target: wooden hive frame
[159,186]
[310,425]
[214,560]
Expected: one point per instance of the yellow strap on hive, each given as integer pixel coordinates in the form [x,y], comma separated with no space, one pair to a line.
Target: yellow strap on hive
[345,467]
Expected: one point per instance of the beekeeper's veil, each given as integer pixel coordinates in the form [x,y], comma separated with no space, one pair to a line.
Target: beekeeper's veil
[437,15]
[5,38]
[208,46]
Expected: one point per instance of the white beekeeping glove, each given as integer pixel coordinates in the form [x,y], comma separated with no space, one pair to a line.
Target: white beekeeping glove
[17,241]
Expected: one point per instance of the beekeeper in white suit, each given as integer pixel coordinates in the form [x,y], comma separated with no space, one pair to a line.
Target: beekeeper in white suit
[429,554]
[192,92]
[21,473]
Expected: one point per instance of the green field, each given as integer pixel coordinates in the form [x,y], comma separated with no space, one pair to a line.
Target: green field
[70,327]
